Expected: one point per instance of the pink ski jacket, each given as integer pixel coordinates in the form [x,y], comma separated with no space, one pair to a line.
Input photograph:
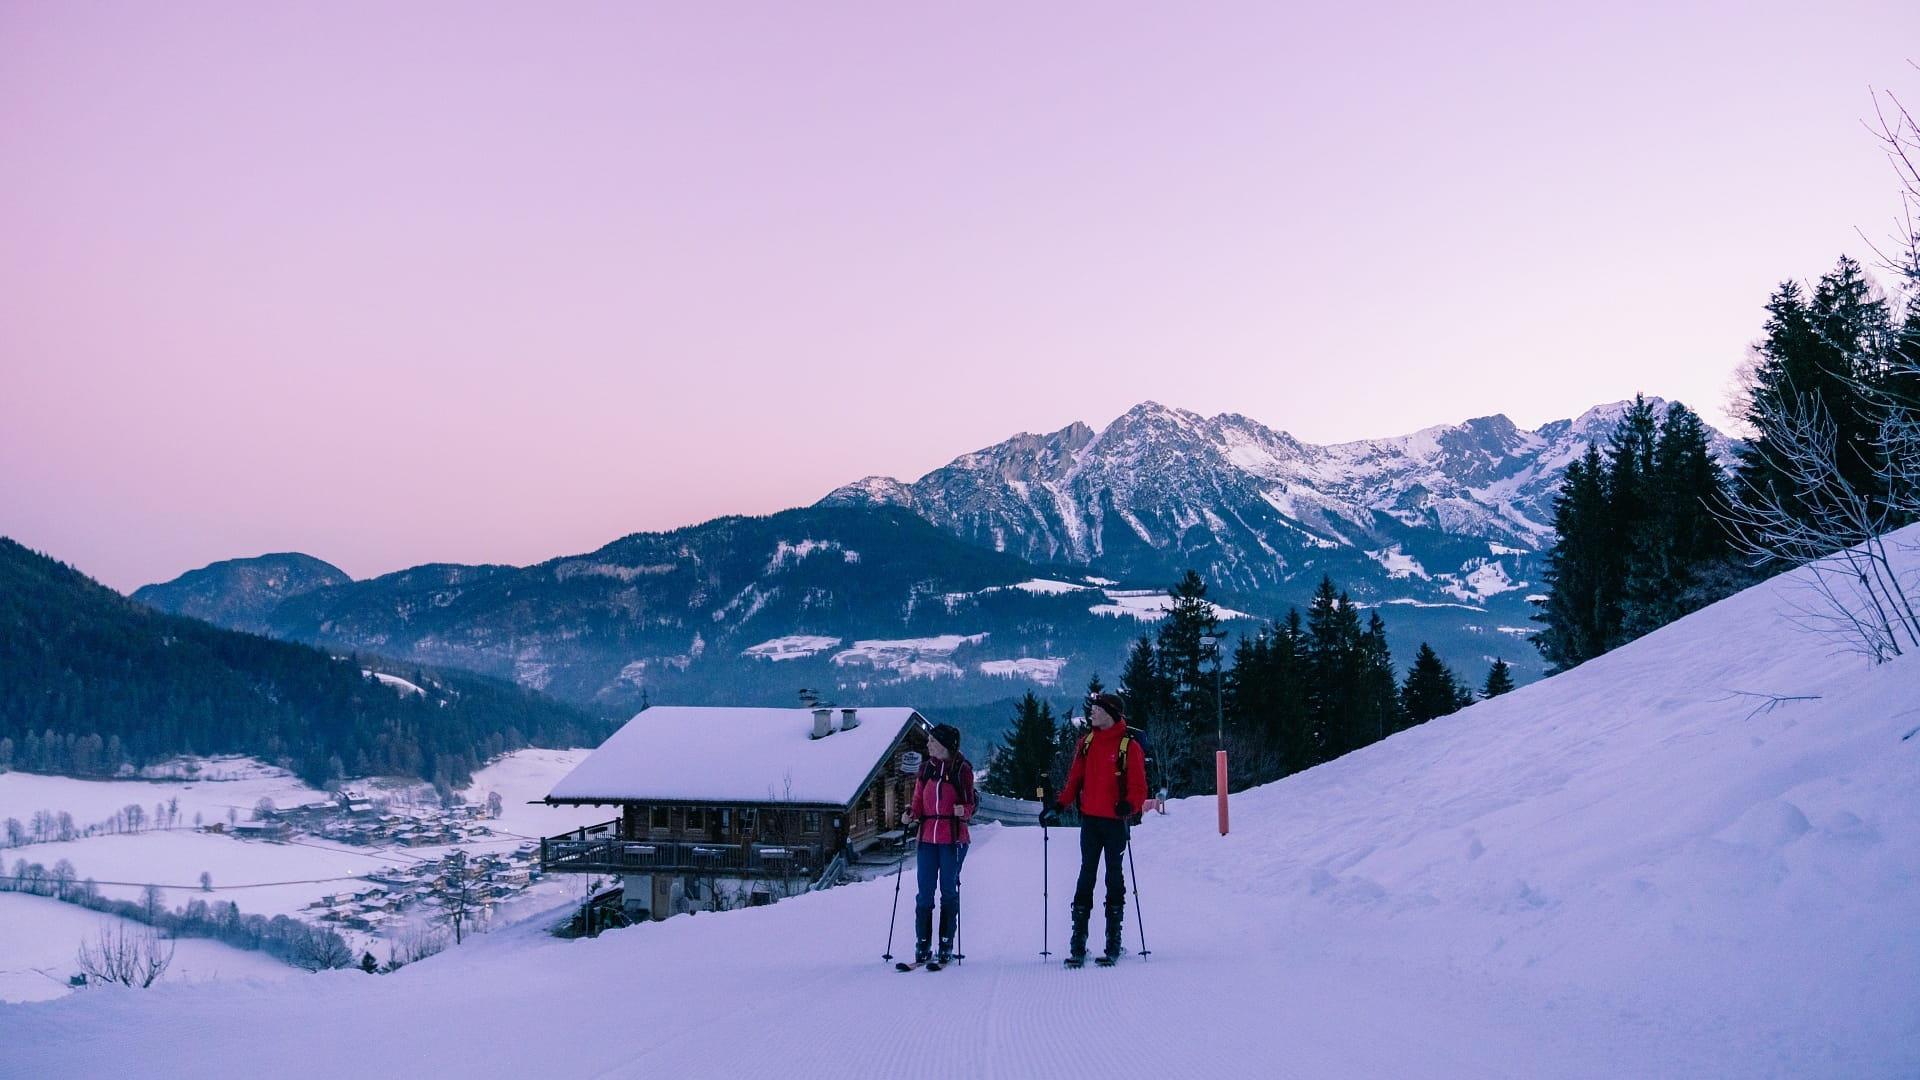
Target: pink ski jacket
[943,800]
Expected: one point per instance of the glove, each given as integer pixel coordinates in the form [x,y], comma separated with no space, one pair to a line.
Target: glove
[907,821]
[1123,808]
[1050,816]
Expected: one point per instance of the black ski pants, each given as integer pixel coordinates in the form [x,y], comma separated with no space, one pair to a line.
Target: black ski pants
[1101,836]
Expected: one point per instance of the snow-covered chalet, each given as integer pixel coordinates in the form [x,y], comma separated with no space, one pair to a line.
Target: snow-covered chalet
[724,807]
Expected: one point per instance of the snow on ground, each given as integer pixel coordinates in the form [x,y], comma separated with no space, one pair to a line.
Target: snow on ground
[93,802]
[524,777]
[40,938]
[1632,869]
[1487,579]
[1049,587]
[1399,564]
[1423,603]
[399,684]
[911,657]
[224,767]
[791,647]
[1044,670]
[263,877]
[1149,605]
[786,554]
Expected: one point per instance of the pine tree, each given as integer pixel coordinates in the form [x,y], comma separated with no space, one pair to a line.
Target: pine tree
[1499,680]
[1580,608]
[1025,760]
[1338,661]
[1186,685]
[1828,354]
[1430,689]
[1675,561]
[1379,694]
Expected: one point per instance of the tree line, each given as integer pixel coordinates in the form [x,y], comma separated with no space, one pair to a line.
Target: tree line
[1300,691]
[282,937]
[1652,527]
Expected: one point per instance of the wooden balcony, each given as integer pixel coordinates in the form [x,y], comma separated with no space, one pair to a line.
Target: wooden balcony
[600,850]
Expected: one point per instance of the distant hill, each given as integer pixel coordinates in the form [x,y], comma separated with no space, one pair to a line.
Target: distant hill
[91,681]
[239,593]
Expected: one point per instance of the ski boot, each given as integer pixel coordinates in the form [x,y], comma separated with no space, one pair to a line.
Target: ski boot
[949,919]
[922,935]
[1116,922]
[1077,945]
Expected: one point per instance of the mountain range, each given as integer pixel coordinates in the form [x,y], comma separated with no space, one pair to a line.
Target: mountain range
[1032,563]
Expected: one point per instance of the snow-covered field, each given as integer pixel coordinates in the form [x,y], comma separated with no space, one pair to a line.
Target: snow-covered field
[262,877]
[1149,605]
[35,966]
[1634,869]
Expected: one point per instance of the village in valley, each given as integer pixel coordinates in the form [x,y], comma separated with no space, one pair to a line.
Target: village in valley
[394,870]
[444,886]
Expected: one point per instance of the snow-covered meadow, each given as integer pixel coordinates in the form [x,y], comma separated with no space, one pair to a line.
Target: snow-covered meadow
[1696,856]
[39,937]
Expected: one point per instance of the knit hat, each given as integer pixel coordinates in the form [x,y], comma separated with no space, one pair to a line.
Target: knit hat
[948,736]
[1111,703]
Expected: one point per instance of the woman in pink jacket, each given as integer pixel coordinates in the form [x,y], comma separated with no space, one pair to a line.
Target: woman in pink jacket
[943,801]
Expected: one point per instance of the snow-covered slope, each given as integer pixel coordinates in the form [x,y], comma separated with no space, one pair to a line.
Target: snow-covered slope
[1633,869]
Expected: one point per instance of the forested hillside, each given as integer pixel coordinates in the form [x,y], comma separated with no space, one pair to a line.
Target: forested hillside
[91,682]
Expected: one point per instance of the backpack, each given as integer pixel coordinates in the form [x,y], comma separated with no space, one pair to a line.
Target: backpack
[1132,735]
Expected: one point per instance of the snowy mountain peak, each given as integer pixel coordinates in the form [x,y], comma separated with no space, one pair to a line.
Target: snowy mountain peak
[1161,489]
[871,491]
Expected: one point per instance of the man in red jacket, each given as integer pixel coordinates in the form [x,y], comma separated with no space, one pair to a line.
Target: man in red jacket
[1108,783]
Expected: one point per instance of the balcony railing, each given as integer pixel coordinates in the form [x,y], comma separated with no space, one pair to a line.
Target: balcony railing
[607,853]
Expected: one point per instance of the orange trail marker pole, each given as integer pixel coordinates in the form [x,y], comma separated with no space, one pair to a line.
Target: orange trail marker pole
[1220,784]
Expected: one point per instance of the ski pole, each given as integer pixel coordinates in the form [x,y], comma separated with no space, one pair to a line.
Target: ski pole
[1046,903]
[901,865]
[1138,920]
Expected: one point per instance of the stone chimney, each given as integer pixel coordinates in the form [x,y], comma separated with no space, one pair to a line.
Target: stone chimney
[822,723]
[848,720]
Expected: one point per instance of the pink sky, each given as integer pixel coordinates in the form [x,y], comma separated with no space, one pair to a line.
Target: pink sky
[397,283]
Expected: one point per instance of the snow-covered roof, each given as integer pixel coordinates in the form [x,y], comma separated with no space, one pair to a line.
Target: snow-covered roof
[689,754]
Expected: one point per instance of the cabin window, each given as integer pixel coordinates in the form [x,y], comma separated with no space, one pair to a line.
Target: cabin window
[810,821]
[662,817]
[725,818]
[696,819]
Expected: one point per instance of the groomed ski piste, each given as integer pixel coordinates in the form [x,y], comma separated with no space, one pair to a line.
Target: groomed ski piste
[1633,869]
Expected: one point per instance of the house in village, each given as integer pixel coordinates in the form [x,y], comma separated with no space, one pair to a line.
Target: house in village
[721,807]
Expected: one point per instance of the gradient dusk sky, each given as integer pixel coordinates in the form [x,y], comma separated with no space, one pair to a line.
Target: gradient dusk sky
[399,282]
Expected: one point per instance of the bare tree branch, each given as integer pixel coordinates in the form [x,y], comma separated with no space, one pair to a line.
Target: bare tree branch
[118,954]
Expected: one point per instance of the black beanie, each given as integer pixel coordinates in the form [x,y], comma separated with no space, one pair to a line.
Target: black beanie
[948,736]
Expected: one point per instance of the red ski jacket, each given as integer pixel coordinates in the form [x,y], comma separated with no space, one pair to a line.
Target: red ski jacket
[1093,783]
[943,800]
